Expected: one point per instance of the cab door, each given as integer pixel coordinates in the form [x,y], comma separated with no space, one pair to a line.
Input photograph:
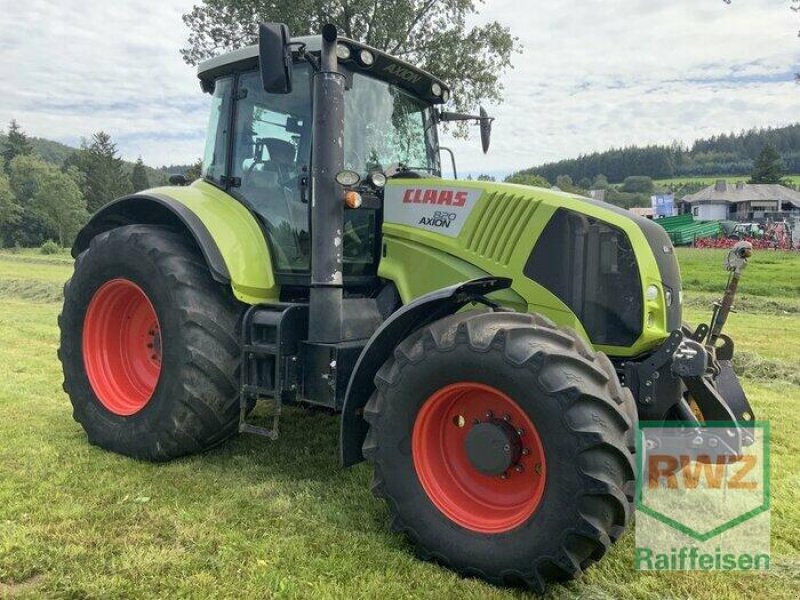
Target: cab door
[270,162]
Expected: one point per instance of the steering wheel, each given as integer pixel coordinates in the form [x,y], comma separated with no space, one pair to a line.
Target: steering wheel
[398,170]
[289,182]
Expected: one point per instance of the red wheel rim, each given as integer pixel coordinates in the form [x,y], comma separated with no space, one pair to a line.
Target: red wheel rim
[122,347]
[475,500]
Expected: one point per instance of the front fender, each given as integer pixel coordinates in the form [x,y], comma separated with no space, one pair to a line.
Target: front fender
[419,313]
[227,233]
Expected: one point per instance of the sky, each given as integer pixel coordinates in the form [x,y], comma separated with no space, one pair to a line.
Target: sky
[592,74]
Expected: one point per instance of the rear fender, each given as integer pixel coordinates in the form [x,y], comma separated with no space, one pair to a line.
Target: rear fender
[419,313]
[226,232]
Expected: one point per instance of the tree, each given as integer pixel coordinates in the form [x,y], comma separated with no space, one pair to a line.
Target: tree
[10,210]
[638,184]
[104,177]
[59,203]
[431,34]
[26,175]
[17,144]
[195,171]
[768,167]
[600,182]
[564,182]
[139,179]
[528,179]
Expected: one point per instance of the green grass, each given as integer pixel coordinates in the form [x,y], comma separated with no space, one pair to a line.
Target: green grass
[706,181]
[256,518]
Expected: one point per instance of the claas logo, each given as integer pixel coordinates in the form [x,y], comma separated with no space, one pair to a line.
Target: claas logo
[682,472]
[438,197]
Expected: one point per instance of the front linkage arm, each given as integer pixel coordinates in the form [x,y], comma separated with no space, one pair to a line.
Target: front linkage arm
[693,365]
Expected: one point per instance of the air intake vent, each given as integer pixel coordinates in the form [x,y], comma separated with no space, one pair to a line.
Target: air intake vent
[502,219]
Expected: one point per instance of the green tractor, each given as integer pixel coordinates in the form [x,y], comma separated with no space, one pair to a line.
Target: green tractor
[490,347]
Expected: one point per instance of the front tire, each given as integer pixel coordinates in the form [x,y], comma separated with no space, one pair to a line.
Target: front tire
[149,347]
[503,447]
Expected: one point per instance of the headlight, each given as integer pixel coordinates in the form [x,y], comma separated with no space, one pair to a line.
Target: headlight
[343,52]
[652,293]
[377,179]
[366,57]
[436,89]
[445,95]
[347,178]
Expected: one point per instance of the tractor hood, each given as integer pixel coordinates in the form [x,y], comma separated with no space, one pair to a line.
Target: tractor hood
[497,226]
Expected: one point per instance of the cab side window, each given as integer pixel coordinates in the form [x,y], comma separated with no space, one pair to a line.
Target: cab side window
[215,157]
[272,148]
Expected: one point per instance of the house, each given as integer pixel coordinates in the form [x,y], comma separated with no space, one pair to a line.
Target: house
[741,201]
[599,195]
[646,212]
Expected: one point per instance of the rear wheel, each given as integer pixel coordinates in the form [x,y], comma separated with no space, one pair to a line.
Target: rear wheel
[503,446]
[148,346]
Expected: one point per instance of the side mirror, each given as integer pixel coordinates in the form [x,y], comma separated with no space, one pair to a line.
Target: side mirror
[177,179]
[275,58]
[483,119]
[486,129]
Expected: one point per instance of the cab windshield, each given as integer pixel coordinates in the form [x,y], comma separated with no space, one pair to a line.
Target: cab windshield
[385,126]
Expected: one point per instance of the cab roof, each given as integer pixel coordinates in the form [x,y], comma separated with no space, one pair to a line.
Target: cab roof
[385,67]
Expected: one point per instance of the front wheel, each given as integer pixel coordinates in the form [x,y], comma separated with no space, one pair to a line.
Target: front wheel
[503,446]
[149,347]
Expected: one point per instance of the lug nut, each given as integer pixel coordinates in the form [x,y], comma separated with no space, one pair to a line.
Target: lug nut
[506,418]
[526,451]
[506,448]
[504,476]
[489,414]
[520,431]
[519,468]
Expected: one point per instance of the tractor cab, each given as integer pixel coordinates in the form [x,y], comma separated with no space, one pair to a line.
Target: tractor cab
[259,146]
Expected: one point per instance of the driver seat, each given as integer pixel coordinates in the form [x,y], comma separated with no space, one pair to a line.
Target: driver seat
[281,157]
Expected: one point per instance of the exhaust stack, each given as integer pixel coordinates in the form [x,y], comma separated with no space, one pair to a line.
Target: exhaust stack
[327,197]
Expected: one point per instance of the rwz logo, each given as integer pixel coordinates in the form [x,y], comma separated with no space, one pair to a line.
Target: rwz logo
[441,197]
[684,471]
[439,219]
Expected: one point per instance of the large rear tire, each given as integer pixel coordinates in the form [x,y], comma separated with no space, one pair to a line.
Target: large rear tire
[149,346]
[503,447]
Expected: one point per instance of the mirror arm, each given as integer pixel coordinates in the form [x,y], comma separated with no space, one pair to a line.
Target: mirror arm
[447,117]
[452,159]
[307,56]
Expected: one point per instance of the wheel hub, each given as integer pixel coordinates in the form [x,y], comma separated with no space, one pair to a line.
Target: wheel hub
[122,347]
[493,446]
[479,457]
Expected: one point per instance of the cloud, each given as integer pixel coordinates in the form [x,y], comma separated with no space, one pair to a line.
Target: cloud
[596,74]
[593,74]
[71,68]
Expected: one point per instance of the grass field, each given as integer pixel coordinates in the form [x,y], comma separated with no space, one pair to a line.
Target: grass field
[255,518]
[793,179]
